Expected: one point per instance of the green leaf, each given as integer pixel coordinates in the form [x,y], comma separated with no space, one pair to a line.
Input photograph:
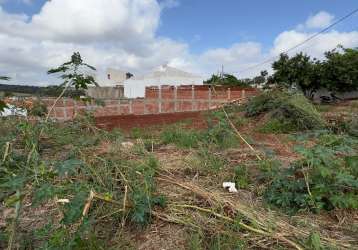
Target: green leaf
[159,200]
[352,164]
[44,193]
[68,167]
[314,241]
[3,106]
[14,183]
[73,209]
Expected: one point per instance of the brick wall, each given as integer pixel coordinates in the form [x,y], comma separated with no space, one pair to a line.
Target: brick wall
[157,100]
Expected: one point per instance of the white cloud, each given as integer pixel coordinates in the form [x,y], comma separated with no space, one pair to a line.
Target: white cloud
[320,20]
[234,58]
[315,47]
[117,33]
[85,21]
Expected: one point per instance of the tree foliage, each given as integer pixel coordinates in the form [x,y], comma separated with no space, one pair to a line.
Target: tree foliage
[337,72]
[49,91]
[340,70]
[2,103]
[226,80]
[4,78]
[74,74]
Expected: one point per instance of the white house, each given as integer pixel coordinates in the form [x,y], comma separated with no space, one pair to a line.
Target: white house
[163,75]
[112,83]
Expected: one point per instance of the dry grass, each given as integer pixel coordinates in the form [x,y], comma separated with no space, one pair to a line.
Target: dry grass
[197,204]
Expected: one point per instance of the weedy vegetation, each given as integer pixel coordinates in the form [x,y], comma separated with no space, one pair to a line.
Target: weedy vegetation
[75,186]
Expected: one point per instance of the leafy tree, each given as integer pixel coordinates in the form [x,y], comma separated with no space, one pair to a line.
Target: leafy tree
[262,78]
[340,70]
[2,103]
[337,72]
[74,75]
[4,78]
[298,71]
[226,80]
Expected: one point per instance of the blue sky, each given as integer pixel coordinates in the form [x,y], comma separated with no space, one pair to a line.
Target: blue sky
[221,23]
[137,35]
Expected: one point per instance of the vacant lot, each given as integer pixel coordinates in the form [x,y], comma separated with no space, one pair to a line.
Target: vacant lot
[75,186]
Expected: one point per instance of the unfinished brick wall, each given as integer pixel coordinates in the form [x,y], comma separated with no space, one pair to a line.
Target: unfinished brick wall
[157,100]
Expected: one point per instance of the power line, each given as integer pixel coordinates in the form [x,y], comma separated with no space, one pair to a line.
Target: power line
[301,43]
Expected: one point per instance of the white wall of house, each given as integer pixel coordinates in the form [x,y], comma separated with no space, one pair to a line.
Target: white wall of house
[111,78]
[163,75]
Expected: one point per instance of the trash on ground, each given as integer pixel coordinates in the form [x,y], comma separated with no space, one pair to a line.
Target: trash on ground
[230,186]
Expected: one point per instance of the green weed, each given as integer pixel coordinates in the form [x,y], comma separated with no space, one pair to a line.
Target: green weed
[183,138]
[320,180]
[219,131]
[276,126]
[241,178]
[210,161]
[73,176]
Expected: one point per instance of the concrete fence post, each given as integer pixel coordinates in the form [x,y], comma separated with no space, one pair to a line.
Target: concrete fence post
[175,99]
[119,107]
[160,99]
[229,94]
[209,98]
[192,98]
[130,106]
[243,94]
[64,109]
[145,106]
[74,107]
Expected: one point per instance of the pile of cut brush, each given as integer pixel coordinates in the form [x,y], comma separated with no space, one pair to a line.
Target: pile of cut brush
[291,111]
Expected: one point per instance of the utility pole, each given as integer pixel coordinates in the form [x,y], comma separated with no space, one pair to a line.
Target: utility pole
[222,73]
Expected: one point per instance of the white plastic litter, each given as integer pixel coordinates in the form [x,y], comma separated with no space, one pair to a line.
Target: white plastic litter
[230,186]
[127,145]
[12,110]
[63,201]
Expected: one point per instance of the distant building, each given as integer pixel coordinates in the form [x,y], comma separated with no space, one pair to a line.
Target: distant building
[113,77]
[110,85]
[117,83]
[163,75]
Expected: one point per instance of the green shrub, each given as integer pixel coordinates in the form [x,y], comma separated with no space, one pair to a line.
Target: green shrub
[142,190]
[320,180]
